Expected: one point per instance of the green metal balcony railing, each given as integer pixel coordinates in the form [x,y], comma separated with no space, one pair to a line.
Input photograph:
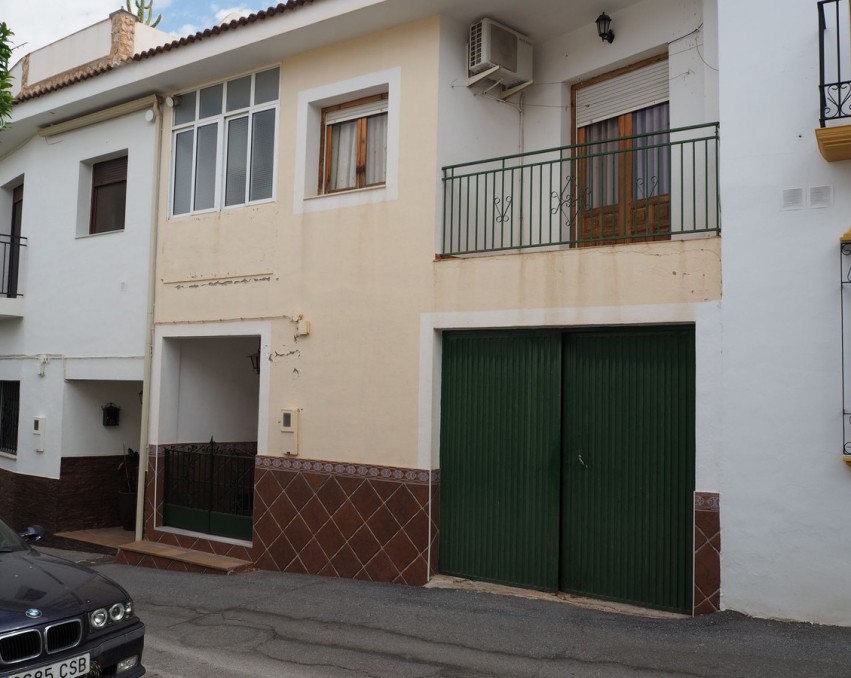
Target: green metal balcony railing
[657,186]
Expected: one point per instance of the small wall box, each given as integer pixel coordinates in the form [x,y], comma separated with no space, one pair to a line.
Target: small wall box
[289,421]
[110,414]
[38,432]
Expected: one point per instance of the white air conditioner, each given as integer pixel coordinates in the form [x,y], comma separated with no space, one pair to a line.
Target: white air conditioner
[492,44]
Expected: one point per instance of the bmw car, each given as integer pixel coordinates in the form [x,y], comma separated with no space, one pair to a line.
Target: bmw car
[59,619]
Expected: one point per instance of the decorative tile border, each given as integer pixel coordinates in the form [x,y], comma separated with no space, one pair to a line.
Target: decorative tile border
[350,470]
[706,501]
[707,553]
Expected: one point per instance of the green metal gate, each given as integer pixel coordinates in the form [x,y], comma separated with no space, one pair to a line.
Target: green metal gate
[628,466]
[567,461]
[500,452]
[209,489]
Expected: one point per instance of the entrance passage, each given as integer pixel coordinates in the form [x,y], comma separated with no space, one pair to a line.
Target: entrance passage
[209,490]
[567,461]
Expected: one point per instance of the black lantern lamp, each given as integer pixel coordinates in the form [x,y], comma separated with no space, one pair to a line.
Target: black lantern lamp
[111,412]
[604,21]
[255,361]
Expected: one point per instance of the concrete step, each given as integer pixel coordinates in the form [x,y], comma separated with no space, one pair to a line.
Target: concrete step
[165,557]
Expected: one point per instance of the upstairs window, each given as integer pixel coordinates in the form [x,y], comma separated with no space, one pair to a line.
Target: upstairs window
[109,195]
[354,145]
[10,393]
[224,144]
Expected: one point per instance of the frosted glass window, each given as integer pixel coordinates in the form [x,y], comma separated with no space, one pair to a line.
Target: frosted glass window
[205,167]
[236,171]
[223,144]
[185,110]
[266,86]
[262,154]
[239,93]
[211,101]
[183,172]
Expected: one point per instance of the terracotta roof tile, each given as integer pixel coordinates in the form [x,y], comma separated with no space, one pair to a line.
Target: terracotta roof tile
[223,28]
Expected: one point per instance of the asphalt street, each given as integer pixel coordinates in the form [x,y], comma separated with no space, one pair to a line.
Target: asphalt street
[283,625]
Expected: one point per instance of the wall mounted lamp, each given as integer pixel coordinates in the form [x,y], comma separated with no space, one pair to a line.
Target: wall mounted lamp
[174,101]
[603,30]
[255,360]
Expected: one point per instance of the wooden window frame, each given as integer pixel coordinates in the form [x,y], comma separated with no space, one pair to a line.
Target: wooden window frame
[622,212]
[326,139]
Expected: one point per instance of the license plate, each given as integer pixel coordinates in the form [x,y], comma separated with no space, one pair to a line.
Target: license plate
[74,667]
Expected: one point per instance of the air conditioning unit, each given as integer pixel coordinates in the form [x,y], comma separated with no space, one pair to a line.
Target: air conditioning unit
[492,44]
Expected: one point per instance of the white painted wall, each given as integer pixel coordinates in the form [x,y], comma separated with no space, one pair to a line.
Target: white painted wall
[84,432]
[85,296]
[230,392]
[785,494]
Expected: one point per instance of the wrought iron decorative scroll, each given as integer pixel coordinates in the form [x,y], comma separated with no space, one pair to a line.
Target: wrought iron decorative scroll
[834,82]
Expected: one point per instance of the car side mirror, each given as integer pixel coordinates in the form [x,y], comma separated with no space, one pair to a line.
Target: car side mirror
[32,534]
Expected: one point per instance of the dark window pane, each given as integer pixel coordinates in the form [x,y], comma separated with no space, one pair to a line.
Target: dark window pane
[239,93]
[10,394]
[185,111]
[266,86]
[211,101]
[108,203]
[109,191]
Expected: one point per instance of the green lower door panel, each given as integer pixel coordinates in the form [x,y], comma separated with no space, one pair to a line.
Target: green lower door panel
[499,441]
[192,519]
[628,466]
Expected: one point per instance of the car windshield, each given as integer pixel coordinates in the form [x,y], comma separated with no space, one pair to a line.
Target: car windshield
[9,539]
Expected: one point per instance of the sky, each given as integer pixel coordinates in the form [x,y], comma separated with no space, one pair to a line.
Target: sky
[37,23]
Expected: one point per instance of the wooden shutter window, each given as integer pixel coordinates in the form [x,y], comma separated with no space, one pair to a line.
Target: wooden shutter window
[109,172]
[109,194]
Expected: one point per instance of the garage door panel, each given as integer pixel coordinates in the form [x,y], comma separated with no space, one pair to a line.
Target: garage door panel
[628,466]
[500,451]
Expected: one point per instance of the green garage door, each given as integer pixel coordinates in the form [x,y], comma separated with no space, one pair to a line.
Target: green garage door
[567,461]
[500,457]
[628,467]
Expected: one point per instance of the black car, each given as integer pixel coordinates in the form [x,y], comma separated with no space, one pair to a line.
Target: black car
[59,619]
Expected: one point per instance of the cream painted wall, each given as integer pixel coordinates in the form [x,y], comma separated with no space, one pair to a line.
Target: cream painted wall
[361,275]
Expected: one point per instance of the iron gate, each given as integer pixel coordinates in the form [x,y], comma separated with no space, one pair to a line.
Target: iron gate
[209,489]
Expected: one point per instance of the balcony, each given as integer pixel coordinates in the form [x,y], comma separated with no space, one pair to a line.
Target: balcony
[645,187]
[11,301]
[834,132]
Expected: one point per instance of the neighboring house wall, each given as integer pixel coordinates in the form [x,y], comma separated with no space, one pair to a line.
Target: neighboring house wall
[785,489]
[80,341]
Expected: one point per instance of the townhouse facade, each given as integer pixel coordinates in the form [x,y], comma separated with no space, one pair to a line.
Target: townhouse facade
[440,288]
[76,180]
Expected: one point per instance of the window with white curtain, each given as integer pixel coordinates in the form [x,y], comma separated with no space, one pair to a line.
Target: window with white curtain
[224,144]
[354,145]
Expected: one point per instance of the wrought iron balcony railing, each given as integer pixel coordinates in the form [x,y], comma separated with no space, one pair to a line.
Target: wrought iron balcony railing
[10,255]
[834,61]
[644,187]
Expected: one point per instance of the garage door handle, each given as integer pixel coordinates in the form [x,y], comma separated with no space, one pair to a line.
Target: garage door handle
[584,465]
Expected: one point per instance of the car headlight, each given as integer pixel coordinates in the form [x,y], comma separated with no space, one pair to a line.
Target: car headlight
[103,617]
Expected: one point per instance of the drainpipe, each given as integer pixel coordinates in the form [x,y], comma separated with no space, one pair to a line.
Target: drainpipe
[149,328]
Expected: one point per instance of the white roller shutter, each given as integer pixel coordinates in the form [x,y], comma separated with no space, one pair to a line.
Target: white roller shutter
[628,92]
